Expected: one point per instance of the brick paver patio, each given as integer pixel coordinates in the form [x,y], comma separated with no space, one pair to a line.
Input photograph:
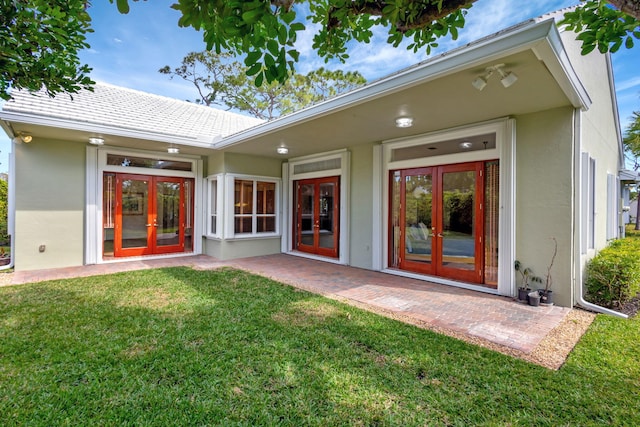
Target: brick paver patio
[457,311]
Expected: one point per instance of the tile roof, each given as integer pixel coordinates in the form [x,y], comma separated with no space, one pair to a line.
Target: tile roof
[129,109]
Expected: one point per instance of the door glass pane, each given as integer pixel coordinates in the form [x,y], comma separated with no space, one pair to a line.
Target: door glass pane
[417,218]
[135,212]
[167,213]
[491,222]
[306,214]
[188,214]
[326,219]
[458,246]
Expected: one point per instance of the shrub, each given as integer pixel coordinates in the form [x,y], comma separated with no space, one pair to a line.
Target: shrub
[613,275]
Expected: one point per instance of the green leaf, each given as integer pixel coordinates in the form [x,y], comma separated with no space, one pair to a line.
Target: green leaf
[254,69]
[123,6]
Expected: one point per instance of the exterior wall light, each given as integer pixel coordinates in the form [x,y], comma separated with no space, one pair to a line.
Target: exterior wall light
[21,137]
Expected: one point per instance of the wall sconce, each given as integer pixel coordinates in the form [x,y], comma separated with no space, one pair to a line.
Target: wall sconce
[21,137]
[507,78]
[282,150]
[95,140]
[404,122]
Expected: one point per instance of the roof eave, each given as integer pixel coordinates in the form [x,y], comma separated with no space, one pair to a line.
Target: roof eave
[13,117]
[541,37]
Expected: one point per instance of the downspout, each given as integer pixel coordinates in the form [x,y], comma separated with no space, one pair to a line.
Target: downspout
[578,281]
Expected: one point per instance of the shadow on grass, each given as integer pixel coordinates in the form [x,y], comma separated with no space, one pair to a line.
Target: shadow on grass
[178,346]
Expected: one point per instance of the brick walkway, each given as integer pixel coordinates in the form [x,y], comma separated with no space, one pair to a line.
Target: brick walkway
[456,311]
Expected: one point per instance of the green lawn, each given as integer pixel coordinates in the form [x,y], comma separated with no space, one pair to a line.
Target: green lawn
[183,347]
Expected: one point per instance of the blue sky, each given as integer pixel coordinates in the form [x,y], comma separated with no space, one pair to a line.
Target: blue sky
[128,50]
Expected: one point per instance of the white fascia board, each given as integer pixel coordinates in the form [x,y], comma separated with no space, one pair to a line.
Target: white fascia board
[554,56]
[8,116]
[528,35]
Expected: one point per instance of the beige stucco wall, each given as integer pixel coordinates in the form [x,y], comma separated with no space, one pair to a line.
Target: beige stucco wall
[50,189]
[361,204]
[544,190]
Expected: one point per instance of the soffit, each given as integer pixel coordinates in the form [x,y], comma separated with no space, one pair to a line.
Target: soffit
[442,103]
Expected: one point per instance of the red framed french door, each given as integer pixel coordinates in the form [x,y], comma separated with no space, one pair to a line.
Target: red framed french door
[317,216]
[437,221]
[151,215]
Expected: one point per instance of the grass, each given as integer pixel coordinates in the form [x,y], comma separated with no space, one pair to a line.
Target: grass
[183,347]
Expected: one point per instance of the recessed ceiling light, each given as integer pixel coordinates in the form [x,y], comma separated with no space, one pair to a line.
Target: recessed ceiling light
[173,150]
[404,122]
[94,140]
[282,150]
[465,145]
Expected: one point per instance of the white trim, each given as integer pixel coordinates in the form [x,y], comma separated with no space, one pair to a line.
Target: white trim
[92,218]
[505,132]
[209,181]
[344,173]
[377,212]
[229,217]
[96,166]
[284,213]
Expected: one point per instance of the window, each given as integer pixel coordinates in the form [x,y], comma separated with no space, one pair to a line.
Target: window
[214,194]
[254,206]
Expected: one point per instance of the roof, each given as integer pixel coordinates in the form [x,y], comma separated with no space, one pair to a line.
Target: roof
[129,109]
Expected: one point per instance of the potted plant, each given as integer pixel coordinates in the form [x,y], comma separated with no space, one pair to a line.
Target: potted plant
[546,294]
[527,277]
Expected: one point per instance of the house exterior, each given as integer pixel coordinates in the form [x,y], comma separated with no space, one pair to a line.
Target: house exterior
[447,171]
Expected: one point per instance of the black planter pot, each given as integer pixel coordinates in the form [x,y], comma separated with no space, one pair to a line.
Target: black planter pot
[523,294]
[546,297]
[534,299]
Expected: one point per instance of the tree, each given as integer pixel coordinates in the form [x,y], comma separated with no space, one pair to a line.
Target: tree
[265,31]
[631,144]
[40,39]
[223,81]
[39,44]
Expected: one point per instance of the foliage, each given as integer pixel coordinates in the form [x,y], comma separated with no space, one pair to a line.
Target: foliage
[40,40]
[221,80]
[602,26]
[39,45]
[631,139]
[184,347]
[264,32]
[613,275]
[527,275]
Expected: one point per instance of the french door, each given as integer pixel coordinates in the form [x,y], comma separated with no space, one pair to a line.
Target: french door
[317,208]
[437,223]
[146,215]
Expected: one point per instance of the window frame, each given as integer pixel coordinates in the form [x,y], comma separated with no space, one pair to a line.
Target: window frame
[230,215]
[214,182]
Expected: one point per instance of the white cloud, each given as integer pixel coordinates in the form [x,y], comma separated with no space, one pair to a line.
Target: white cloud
[631,83]
[117,40]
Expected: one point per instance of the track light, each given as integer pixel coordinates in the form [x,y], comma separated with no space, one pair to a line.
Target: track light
[507,78]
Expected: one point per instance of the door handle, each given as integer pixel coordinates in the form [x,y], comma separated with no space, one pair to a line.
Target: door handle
[148,225]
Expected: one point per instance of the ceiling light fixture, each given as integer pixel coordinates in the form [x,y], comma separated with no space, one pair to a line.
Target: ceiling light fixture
[95,140]
[465,145]
[282,150]
[404,122]
[173,150]
[507,78]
